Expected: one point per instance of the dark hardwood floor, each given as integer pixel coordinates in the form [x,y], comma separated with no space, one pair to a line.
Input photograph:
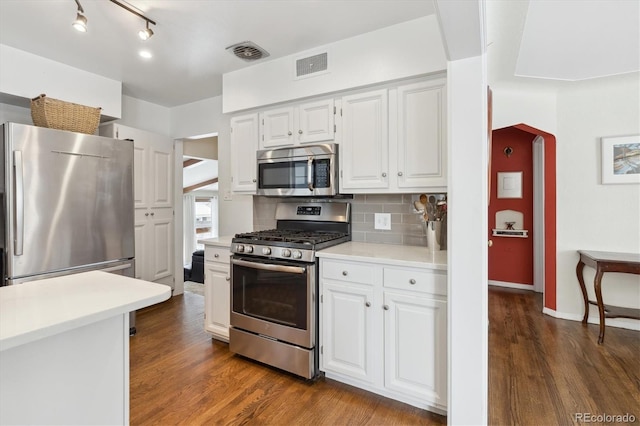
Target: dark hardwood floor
[544,371]
[541,371]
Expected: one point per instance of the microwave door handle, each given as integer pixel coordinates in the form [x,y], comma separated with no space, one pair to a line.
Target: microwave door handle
[269,267]
[310,173]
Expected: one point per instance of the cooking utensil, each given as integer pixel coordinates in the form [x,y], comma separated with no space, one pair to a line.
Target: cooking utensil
[419,206]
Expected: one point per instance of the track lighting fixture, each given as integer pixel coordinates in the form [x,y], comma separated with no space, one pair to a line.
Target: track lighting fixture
[80,23]
[145,33]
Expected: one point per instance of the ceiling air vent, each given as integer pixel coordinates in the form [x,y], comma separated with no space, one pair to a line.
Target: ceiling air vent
[248,51]
[311,65]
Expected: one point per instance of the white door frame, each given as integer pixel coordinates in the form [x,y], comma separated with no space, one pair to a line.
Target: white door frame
[538,214]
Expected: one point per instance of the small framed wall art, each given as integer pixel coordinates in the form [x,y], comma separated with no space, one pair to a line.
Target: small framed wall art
[509,184]
[621,159]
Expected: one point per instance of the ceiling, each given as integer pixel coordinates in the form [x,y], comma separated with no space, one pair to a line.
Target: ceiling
[188,46]
[548,43]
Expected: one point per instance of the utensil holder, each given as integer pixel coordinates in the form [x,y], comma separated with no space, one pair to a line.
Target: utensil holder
[435,241]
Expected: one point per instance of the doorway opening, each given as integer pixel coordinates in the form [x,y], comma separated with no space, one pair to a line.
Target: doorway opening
[527,156]
[199,205]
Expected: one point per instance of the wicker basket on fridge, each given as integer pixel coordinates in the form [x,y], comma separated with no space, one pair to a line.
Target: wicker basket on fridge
[61,115]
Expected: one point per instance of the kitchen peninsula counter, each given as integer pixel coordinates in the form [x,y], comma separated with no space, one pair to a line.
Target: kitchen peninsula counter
[392,254]
[64,347]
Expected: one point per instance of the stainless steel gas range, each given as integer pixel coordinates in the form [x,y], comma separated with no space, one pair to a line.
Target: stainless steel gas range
[274,285]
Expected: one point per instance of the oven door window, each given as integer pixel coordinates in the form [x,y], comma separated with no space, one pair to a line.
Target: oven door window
[279,296]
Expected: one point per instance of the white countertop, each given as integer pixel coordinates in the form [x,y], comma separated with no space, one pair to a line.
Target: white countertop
[224,241]
[39,309]
[412,256]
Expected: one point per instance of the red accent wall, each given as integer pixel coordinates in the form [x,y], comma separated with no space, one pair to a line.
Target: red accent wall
[511,259]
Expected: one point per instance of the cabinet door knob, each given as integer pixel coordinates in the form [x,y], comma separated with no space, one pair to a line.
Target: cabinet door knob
[344,273]
[227,278]
[412,281]
[300,131]
[385,307]
[289,133]
[146,214]
[367,304]
[254,181]
[216,255]
[152,213]
[384,174]
[399,173]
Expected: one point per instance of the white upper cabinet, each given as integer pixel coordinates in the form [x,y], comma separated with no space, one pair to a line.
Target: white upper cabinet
[244,144]
[393,140]
[364,154]
[421,148]
[311,122]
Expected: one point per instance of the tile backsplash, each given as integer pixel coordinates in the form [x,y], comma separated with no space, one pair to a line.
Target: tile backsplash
[406,225]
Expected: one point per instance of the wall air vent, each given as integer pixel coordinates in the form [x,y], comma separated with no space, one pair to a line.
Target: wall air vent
[311,65]
[248,51]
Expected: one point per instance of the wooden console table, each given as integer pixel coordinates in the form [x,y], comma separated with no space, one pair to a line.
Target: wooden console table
[602,262]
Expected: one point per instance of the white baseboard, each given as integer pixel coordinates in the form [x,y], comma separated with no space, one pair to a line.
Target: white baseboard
[511,285]
[626,323]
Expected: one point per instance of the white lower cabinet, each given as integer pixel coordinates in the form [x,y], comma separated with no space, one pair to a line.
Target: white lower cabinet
[383,328]
[217,291]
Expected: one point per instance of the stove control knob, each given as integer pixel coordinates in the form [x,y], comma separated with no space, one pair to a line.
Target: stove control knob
[286,253]
[266,250]
[239,248]
[248,249]
[297,254]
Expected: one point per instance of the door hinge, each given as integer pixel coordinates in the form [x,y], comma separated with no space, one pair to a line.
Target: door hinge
[263,121]
[334,110]
[231,130]
[334,128]
[321,299]
[262,138]
[340,173]
[321,350]
[340,112]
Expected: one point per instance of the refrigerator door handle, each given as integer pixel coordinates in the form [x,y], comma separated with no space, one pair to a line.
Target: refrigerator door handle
[19,206]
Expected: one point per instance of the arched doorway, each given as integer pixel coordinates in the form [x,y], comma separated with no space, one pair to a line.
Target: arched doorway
[545,188]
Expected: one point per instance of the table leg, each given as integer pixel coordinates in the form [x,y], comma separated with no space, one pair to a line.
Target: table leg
[585,296]
[597,281]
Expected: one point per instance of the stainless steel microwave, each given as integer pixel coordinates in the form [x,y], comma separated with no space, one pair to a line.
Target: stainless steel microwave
[301,171]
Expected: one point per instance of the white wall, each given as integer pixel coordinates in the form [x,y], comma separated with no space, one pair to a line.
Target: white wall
[399,51]
[15,114]
[593,216]
[590,216]
[145,116]
[25,75]
[203,118]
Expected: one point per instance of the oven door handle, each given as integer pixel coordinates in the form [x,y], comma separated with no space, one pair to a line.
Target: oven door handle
[269,267]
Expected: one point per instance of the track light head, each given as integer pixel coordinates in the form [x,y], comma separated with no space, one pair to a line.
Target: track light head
[80,23]
[146,33]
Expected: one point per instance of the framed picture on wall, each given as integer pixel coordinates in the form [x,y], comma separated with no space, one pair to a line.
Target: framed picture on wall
[621,159]
[509,184]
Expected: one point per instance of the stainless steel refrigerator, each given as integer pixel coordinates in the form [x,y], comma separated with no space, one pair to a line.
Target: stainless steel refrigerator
[67,204]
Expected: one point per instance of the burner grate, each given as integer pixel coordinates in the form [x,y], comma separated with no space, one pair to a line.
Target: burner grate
[292,236]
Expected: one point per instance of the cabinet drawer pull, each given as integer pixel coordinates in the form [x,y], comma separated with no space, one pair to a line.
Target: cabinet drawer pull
[367,304]
[412,281]
[216,255]
[385,307]
[344,273]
